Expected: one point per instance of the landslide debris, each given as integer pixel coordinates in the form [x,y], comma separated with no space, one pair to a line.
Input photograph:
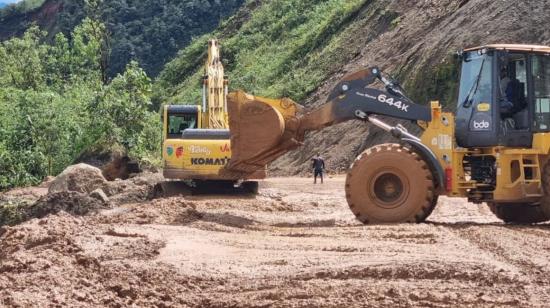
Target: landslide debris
[79,190]
[71,202]
[66,261]
[295,245]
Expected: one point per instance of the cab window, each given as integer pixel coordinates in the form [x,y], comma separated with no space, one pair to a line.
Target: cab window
[513,88]
[476,79]
[177,123]
[541,86]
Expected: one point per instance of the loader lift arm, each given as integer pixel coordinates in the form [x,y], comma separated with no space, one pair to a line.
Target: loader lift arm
[263,130]
[353,94]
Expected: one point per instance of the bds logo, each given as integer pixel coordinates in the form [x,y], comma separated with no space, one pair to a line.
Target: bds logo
[483,125]
[481,122]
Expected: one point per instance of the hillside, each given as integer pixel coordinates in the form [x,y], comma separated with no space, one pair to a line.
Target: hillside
[15,19]
[88,219]
[150,32]
[301,49]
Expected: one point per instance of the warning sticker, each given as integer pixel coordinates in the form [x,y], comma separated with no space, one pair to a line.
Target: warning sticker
[445,142]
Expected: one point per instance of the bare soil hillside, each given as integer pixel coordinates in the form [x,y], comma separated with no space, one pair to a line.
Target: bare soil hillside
[424,36]
[294,245]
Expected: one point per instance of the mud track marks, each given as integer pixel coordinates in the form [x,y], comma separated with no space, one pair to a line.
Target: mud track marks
[294,245]
[525,248]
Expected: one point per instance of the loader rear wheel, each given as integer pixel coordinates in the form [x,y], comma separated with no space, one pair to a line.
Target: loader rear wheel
[526,213]
[389,183]
[518,213]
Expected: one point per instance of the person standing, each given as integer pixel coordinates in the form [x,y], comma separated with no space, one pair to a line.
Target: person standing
[318,168]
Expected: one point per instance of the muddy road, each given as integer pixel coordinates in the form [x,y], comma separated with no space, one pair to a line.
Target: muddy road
[294,245]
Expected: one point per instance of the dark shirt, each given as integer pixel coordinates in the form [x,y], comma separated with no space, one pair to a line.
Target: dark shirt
[318,163]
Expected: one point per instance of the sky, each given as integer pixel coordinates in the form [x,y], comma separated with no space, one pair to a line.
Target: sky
[4,2]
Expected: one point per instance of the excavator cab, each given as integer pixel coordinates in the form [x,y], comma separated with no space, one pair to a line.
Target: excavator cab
[503,97]
[180,118]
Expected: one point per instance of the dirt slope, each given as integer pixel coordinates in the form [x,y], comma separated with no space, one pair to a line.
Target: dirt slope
[45,17]
[295,245]
[425,34]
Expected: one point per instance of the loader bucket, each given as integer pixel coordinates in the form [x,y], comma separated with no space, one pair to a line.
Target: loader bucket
[261,130]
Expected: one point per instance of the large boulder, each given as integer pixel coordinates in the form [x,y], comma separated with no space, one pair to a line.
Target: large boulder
[80,178]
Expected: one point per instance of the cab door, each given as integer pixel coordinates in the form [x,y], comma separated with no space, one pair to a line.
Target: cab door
[477,119]
[178,119]
[515,99]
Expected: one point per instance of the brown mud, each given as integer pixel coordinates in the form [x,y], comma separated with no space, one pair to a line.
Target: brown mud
[294,245]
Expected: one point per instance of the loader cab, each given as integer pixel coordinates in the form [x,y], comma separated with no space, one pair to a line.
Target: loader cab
[504,95]
[178,118]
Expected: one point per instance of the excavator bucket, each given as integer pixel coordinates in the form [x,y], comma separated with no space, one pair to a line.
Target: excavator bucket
[261,129]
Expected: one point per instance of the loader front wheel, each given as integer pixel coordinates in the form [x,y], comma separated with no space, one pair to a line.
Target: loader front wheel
[389,183]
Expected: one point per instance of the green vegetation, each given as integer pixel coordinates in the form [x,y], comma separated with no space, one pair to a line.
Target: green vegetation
[148,31]
[83,90]
[21,7]
[285,48]
[54,105]
[439,83]
[13,212]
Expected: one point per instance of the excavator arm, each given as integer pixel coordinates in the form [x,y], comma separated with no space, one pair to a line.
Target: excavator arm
[262,129]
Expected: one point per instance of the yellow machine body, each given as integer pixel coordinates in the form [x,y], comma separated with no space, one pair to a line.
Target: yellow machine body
[195,159]
[196,139]
[518,169]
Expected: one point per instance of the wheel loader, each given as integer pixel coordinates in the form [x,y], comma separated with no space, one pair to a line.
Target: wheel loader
[196,139]
[494,149]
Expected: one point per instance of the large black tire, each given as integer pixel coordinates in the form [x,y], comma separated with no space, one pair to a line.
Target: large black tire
[389,183]
[518,213]
[526,213]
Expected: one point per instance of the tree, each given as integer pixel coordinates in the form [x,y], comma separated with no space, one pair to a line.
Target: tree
[123,108]
[54,105]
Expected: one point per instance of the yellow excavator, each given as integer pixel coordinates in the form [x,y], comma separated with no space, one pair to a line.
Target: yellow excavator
[495,148]
[196,138]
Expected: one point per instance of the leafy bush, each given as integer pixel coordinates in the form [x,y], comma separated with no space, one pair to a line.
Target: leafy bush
[12,213]
[54,105]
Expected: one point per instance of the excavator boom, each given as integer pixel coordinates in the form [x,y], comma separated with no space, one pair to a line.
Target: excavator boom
[263,130]
[214,89]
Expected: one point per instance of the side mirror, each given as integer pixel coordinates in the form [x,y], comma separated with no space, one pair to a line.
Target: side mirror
[459,55]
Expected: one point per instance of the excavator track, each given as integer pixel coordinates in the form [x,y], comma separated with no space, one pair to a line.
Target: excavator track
[389,183]
[169,189]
